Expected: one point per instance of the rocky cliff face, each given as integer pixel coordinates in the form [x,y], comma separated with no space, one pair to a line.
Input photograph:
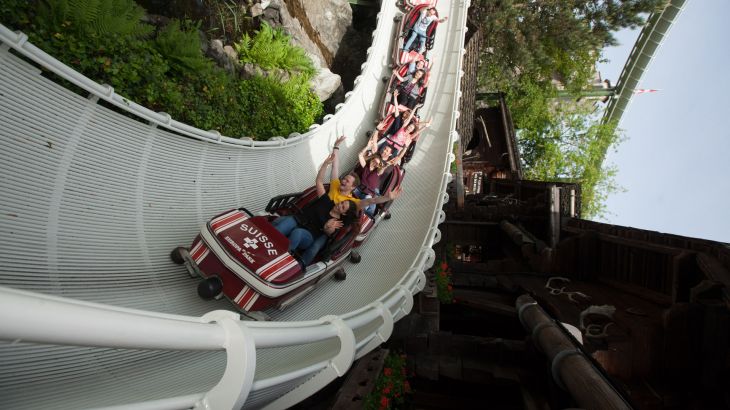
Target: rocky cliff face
[318,26]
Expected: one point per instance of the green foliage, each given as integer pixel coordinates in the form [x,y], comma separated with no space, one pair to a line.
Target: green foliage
[15,13]
[166,73]
[391,386]
[563,140]
[227,19]
[94,17]
[444,289]
[279,108]
[606,17]
[454,150]
[270,48]
[180,45]
[550,38]
[530,44]
[570,146]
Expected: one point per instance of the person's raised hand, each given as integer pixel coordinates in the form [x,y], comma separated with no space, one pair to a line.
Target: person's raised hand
[329,159]
[394,194]
[333,224]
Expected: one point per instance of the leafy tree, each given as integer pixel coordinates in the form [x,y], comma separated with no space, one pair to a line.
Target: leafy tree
[570,146]
[531,43]
[607,16]
[546,38]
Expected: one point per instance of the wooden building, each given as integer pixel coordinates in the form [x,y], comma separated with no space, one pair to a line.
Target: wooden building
[553,311]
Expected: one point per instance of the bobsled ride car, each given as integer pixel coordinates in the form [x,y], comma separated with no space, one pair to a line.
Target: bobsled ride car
[406,29]
[386,106]
[387,127]
[409,4]
[242,257]
[390,180]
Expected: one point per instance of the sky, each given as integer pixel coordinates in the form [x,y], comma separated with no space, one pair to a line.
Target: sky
[675,163]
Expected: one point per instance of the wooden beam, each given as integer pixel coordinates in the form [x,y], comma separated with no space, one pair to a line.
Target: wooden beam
[554,229]
[460,192]
[639,291]
[353,392]
[486,301]
[570,368]
[714,269]
[634,243]
[475,223]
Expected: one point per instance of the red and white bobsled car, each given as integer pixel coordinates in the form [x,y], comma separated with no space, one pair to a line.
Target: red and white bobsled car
[407,23]
[409,4]
[389,181]
[244,258]
[386,106]
[385,127]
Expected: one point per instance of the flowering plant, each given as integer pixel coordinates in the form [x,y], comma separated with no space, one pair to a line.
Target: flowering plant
[444,289]
[391,387]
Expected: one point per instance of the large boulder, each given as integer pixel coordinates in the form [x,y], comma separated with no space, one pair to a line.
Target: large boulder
[330,20]
[317,26]
[221,54]
[325,83]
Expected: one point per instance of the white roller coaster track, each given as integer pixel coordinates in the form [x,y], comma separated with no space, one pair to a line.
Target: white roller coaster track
[92,312]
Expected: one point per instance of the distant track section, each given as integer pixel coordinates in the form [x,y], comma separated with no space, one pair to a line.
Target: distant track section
[649,41]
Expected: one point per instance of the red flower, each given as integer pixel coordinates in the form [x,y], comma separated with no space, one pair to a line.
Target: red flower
[444,266]
[450,287]
[386,390]
[383,402]
[407,387]
[387,371]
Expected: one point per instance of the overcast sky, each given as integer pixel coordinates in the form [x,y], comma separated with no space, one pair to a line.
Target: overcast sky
[674,163]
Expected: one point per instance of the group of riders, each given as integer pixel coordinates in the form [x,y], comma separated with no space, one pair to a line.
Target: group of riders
[342,202]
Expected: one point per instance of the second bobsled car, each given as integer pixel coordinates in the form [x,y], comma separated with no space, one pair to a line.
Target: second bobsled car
[389,181]
[387,105]
[243,258]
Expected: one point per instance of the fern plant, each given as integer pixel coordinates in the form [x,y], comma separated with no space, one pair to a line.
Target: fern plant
[94,17]
[270,48]
[180,45]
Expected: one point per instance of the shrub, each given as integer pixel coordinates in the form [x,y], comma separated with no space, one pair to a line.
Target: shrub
[180,45]
[391,386]
[167,73]
[444,289]
[278,109]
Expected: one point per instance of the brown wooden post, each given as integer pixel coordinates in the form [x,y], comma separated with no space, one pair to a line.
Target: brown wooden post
[570,368]
[459,178]
[554,230]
